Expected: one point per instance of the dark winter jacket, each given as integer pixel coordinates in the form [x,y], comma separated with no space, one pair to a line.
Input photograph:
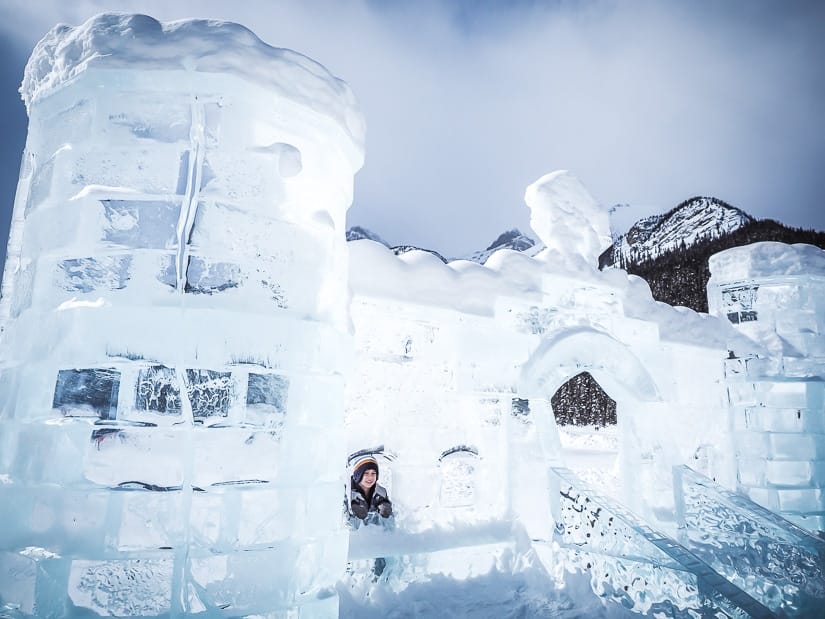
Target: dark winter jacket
[361,504]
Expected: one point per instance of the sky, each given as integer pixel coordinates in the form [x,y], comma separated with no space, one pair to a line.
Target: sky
[469,101]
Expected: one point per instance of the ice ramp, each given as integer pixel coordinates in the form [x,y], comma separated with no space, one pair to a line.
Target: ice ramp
[634,565]
[775,561]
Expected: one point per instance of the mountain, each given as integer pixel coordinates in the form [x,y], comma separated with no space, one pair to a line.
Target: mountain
[692,221]
[403,249]
[356,233]
[680,276]
[669,251]
[512,239]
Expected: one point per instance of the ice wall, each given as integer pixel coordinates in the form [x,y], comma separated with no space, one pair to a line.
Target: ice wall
[456,365]
[175,326]
[775,294]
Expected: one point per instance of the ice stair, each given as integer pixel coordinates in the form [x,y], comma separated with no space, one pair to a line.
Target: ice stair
[634,565]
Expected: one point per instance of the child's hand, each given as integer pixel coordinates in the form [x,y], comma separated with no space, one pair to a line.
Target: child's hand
[385,510]
[359,510]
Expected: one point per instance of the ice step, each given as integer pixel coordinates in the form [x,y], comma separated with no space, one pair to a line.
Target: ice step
[775,561]
[635,565]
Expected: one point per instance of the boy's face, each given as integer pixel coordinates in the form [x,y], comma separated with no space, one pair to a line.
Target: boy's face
[368,479]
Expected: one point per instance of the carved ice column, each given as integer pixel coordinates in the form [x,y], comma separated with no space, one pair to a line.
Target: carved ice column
[175,326]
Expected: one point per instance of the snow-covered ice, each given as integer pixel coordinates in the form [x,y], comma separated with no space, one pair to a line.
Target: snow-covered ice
[190,350]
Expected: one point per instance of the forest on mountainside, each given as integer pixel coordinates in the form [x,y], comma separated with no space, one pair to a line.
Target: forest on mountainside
[677,277]
[680,276]
[582,402]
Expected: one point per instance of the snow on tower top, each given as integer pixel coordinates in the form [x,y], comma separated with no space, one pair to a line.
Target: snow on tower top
[567,218]
[140,42]
[767,259]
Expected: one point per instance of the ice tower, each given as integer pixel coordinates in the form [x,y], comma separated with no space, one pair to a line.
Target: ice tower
[775,294]
[175,326]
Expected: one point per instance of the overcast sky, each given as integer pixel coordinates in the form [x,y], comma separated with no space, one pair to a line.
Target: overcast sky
[467,102]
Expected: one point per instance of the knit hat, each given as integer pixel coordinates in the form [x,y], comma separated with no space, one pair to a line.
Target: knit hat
[362,465]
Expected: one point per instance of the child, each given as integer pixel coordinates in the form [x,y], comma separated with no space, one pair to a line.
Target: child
[366,496]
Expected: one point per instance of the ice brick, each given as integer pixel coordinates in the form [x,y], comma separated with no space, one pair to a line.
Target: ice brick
[795,473]
[248,582]
[60,520]
[32,581]
[783,420]
[235,455]
[801,501]
[122,588]
[148,520]
[50,453]
[796,447]
[121,455]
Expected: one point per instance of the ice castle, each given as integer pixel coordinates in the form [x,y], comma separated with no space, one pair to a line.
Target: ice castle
[190,350]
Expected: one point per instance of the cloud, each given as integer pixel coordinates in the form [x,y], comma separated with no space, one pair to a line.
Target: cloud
[467,103]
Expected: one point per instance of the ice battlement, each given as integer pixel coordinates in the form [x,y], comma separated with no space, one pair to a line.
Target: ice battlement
[543,282]
[137,43]
[767,260]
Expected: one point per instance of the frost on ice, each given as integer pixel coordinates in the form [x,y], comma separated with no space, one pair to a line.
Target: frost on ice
[190,350]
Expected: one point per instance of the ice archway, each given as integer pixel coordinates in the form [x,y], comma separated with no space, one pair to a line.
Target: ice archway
[585,349]
[612,364]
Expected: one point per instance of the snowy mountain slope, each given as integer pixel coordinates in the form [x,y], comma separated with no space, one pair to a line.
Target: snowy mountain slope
[403,249]
[356,233]
[693,220]
[511,239]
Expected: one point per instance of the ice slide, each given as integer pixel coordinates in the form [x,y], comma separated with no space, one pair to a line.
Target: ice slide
[729,554]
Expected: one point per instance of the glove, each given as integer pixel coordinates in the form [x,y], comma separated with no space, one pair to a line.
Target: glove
[359,509]
[385,509]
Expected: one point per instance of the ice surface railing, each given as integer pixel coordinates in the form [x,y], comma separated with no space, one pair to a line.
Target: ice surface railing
[775,561]
[634,565]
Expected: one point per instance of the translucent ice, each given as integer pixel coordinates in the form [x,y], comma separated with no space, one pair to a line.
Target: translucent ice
[180,389]
[775,294]
[176,324]
[773,560]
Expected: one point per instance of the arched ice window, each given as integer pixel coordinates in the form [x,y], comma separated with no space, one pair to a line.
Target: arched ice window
[458,466]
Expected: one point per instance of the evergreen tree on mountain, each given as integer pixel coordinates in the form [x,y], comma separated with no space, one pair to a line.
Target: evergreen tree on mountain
[680,276]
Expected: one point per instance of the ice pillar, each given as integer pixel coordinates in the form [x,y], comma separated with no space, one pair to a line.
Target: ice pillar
[175,326]
[775,294]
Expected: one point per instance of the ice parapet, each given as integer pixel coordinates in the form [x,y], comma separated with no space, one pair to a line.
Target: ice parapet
[767,259]
[141,43]
[176,324]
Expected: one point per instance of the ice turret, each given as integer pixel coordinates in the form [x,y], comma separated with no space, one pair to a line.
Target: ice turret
[775,294]
[175,326]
